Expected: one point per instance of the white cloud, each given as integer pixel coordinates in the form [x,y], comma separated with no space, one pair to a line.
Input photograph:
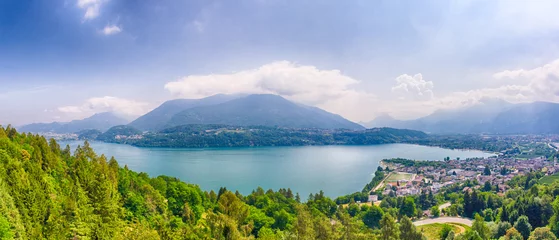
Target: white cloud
[335,92]
[111,29]
[542,82]
[91,7]
[301,83]
[329,89]
[414,86]
[117,105]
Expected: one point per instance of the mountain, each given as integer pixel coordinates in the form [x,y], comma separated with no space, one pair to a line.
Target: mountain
[99,121]
[536,118]
[262,110]
[490,116]
[158,118]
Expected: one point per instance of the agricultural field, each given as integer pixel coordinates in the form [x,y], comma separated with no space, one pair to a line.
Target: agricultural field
[399,176]
[549,179]
[431,231]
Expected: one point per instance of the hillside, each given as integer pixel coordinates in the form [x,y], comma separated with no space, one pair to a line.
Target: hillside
[216,135]
[158,118]
[48,192]
[493,117]
[99,121]
[262,110]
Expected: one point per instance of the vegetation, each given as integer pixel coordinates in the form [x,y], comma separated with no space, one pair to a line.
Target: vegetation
[48,192]
[212,135]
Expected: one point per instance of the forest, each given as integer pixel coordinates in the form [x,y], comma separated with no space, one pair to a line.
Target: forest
[51,192]
[215,135]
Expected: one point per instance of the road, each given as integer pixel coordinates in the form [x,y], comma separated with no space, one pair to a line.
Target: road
[380,184]
[552,145]
[444,205]
[443,220]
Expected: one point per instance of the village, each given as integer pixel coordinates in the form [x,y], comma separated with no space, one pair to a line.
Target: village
[413,177]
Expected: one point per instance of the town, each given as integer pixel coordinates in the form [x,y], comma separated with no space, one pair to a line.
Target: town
[408,177]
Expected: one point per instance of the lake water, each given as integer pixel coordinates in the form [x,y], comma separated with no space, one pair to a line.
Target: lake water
[337,170]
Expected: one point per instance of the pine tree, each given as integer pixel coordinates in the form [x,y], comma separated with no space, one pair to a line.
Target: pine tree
[389,230]
[523,226]
[408,230]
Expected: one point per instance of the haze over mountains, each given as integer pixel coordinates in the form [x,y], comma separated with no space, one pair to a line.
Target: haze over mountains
[99,121]
[233,110]
[491,116]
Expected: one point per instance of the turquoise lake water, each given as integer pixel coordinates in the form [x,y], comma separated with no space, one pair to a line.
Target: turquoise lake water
[337,170]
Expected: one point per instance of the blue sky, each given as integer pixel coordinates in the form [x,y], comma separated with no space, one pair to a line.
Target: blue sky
[64,60]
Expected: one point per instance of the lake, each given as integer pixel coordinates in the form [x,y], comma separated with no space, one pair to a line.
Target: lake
[337,170]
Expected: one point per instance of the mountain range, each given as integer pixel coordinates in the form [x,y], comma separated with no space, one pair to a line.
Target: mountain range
[262,110]
[489,116]
[158,118]
[233,110]
[99,121]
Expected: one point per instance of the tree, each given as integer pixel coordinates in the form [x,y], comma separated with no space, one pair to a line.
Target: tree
[373,216]
[5,231]
[470,235]
[435,211]
[523,226]
[554,221]
[487,186]
[513,234]
[304,225]
[445,231]
[451,236]
[542,233]
[486,171]
[502,228]
[388,230]
[408,230]
[504,171]
[408,207]
[480,227]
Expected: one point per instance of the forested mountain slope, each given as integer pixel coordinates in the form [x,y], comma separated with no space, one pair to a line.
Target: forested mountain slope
[262,110]
[47,192]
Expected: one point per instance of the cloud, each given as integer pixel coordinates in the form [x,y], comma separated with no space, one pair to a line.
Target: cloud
[414,86]
[111,29]
[302,83]
[542,82]
[107,104]
[91,7]
[199,26]
[328,89]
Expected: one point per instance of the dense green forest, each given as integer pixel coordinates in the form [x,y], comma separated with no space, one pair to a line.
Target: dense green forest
[48,192]
[212,135]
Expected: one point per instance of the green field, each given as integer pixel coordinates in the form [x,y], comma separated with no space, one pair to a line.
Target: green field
[431,231]
[399,176]
[549,179]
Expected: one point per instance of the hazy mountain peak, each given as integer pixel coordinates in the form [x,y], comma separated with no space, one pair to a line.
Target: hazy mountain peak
[99,121]
[264,110]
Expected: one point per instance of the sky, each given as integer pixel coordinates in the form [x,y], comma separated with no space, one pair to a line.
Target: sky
[62,60]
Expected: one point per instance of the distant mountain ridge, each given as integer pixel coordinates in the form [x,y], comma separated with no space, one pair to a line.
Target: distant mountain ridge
[99,121]
[159,117]
[251,110]
[492,117]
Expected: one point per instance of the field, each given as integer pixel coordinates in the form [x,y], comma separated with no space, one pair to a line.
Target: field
[399,176]
[549,179]
[431,231]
